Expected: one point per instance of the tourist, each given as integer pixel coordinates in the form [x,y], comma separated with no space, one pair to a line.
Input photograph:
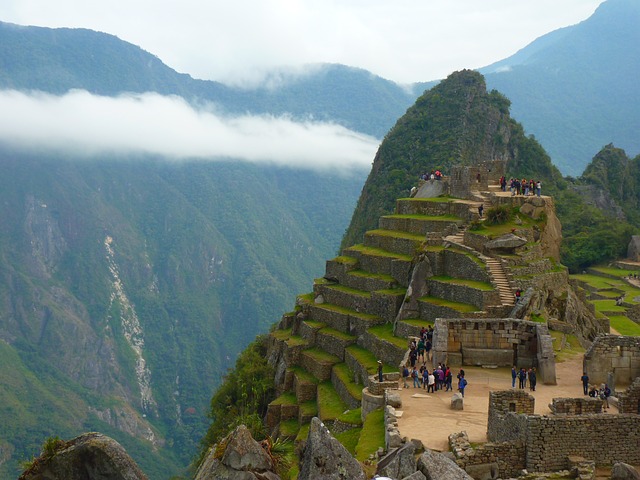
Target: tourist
[448,378]
[425,377]
[593,393]
[518,295]
[480,210]
[436,373]
[380,371]
[462,384]
[514,375]
[585,383]
[432,383]
[532,379]
[605,393]
[427,349]
[413,356]
[416,377]
[442,376]
[522,377]
[405,375]
[421,349]
[538,187]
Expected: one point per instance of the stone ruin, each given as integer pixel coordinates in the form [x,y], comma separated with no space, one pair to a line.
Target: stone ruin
[613,359]
[499,342]
[575,433]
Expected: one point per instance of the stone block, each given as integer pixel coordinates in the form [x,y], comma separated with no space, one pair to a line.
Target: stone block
[457,402]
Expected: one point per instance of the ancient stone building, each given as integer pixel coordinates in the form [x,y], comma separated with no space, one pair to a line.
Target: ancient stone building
[613,359]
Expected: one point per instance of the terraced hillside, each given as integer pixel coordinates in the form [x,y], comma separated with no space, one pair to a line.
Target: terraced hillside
[614,294]
[428,260]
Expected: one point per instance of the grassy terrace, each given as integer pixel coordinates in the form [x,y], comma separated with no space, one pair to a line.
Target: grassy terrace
[345,375]
[292,340]
[442,199]
[289,428]
[310,408]
[321,356]
[458,307]
[497,230]
[349,439]
[392,291]
[624,325]
[303,375]
[378,252]
[608,306]
[287,398]
[347,311]
[385,332]
[337,334]
[484,286]
[330,405]
[378,276]
[368,360]
[431,218]
[346,260]
[418,322]
[616,272]
[397,234]
[372,436]
[315,325]
[350,291]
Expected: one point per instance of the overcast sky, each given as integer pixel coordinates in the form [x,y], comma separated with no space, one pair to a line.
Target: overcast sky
[237,41]
[405,40]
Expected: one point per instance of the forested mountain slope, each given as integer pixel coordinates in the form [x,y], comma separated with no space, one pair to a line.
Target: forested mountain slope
[128,286]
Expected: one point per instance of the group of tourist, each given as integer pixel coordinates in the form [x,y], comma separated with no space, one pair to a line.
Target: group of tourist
[523,376]
[603,393]
[521,186]
[434,175]
[440,378]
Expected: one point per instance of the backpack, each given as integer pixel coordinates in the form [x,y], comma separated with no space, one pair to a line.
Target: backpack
[463,383]
[405,372]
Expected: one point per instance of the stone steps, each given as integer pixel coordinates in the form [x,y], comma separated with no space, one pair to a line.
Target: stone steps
[501,280]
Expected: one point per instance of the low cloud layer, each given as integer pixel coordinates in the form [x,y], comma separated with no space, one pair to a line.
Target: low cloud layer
[83,125]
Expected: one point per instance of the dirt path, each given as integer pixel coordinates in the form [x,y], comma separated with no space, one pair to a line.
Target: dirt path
[429,417]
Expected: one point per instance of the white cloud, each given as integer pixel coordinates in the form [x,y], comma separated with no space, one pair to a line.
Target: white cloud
[82,124]
[406,41]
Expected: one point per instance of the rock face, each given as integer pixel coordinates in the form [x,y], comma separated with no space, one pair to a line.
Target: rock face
[633,252]
[506,242]
[622,471]
[91,456]
[242,459]
[325,458]
[399,463]
[435,466]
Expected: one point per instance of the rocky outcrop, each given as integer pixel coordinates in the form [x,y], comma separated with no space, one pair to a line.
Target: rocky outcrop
[633,251]
[324,457]
[436,466]
[622,471]
[237,457]
[91,456]
[399,463]
[508,241]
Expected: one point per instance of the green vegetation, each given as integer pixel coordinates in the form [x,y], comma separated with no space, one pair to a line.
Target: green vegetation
[345,375]
[243,396]
[353,417]
[623,325]
[457,306]
[565,346]
[372,436]
[330,405]
[498,215]
[378,252]
[484,286]
[385,332]
[349,439]
[368,360]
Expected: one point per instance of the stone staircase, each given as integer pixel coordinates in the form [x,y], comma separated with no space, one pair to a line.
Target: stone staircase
[501,281]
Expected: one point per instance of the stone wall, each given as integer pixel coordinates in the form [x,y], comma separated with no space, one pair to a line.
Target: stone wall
[501,335]
[613,357]
[490,460]
[605,439]
[576,406]
[478,177]
[508,410]
[461,265]
[629,401]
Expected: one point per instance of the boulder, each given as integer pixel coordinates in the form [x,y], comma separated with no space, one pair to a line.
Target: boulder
[623,471]
[508,241]
[416,476]
[436,466]
[457,402]
[325,458]
[399,463]
[242,459]
[91,456]
[393,399]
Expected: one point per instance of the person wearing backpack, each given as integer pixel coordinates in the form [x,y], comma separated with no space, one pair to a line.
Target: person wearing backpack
[405,375]
[462,384]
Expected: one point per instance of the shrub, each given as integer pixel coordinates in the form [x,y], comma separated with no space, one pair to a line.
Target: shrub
[498,215]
